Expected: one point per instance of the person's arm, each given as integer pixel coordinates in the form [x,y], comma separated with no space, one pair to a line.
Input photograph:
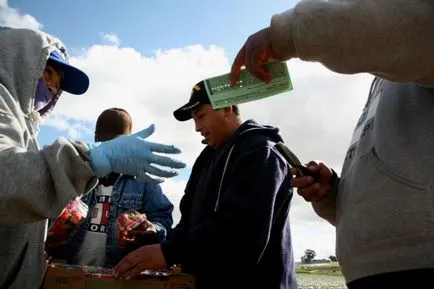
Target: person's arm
[326,208]
[36,185]
[389,38]
[158,210]
[237,232]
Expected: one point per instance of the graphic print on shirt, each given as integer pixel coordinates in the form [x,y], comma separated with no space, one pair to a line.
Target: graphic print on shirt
[365,123]
[100,213]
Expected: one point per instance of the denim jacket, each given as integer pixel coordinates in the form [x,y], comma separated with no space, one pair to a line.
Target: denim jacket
[128,193]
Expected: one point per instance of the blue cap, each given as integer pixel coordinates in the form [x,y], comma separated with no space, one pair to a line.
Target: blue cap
[74,80]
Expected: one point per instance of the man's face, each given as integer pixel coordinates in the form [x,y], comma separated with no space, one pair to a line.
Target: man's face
[52,77]
[211,124]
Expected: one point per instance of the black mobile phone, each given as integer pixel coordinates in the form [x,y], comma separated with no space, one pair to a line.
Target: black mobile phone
[293,160]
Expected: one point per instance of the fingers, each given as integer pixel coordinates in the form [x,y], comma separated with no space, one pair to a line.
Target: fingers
[133,273]
[145,132]
[139,229]
[313,193]
[131,265]
[302,182]
[149,231]
[295,172]
[134,235]
[237,65]
[130,242]
[162,148]
[126,265]
[255,64]
[154,175]
[165,162]
[154,171]
[325,172]
[307,187]
[144,177]
[258,53]
[313,166]
[129,238]
[146,228]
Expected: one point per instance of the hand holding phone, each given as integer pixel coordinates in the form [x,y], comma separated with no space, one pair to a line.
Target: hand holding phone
[293,160]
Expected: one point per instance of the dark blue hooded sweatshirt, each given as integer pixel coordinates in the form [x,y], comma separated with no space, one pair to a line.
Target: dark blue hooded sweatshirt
[234,230]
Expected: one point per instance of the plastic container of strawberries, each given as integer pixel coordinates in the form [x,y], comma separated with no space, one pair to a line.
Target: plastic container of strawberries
[69,220]
[126,222]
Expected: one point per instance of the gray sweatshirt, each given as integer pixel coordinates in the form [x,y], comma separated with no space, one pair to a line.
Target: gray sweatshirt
[35,184]
[383,204]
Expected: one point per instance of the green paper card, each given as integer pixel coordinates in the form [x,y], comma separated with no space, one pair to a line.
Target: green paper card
[248,88]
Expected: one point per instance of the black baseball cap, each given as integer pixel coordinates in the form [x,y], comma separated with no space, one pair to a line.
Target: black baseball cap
[198,97]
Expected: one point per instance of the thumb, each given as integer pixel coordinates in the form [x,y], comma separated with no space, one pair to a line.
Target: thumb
[313,166]
[325,172]
[145,132]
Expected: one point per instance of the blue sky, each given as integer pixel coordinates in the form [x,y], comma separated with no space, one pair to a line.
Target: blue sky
[150,25]
[145,56]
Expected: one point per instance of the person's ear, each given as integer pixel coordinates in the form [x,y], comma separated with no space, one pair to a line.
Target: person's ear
[228,111]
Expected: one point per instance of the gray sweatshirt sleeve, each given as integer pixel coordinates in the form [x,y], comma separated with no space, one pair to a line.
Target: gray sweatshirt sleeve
[392,39]
[38,184]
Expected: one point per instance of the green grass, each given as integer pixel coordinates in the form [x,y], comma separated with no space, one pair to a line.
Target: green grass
[323,269]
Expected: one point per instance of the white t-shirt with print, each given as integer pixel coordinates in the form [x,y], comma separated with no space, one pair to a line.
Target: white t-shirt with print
[93,248]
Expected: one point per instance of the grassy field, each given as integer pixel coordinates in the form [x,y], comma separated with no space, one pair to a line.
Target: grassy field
[321,269]
[320,276]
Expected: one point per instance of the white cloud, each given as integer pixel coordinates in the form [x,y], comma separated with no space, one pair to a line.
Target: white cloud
[316,118]
[149,88]
[12,17]
[174,190]
[75,128]
[110,38]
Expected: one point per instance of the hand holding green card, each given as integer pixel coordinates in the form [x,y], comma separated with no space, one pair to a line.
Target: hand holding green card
[248,87]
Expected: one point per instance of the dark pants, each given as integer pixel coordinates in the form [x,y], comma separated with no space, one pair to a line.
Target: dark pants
[420,278]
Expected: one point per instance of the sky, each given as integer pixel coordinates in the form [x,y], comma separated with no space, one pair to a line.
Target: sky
[145,56]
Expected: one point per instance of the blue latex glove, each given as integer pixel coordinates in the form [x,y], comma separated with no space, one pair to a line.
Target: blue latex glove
[132,155]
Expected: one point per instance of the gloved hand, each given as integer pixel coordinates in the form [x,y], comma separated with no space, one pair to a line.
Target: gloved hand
[132,155]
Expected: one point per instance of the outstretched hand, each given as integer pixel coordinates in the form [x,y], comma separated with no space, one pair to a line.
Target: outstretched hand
[145,258]
[133,155]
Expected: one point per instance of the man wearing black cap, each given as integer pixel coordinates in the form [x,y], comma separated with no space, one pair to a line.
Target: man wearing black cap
[234,230]
[36,184]
[95,242]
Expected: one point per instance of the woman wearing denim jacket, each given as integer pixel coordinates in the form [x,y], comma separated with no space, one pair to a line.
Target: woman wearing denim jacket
[95,242]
